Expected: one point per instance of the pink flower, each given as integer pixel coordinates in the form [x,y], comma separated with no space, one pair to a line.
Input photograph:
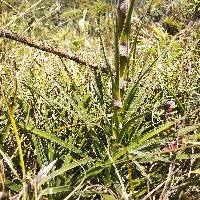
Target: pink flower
[169,106]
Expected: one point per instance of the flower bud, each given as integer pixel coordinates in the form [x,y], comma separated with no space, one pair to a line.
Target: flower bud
[169,106]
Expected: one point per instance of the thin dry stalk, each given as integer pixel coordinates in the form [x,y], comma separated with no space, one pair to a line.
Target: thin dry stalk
[166,187]
[5,33]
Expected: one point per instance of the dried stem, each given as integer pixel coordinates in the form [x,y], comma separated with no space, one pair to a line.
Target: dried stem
[51,49]
[163,195]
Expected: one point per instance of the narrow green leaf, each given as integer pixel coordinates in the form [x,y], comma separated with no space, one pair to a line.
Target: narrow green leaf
[54,190]
[107,197]
[50,137]
[187,156]
[13,186]
[129,122]
[104,54]
[117,69]
[133,90]
[41,157]
[126,29]
[129,98]
[63,170]
[144,139]
[197,171]
[18,139]
[99,85]
[9,162]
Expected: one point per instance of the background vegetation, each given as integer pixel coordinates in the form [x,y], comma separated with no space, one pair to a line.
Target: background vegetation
[71,132]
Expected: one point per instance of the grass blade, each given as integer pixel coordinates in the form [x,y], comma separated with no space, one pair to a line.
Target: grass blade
[62,170]
[145,138]
[9,162]
[49,136]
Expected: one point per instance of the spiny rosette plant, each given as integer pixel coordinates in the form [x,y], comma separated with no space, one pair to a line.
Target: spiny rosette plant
[71,132]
